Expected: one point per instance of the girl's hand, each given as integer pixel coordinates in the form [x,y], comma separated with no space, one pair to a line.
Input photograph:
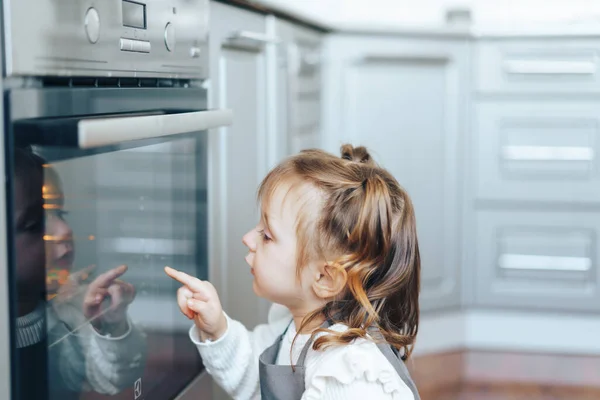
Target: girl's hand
[198,300]
[106,301]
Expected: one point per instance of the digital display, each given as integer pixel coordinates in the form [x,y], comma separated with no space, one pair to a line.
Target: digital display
[134,14]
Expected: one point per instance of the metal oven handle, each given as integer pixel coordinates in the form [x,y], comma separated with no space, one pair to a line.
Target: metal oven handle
[110,131]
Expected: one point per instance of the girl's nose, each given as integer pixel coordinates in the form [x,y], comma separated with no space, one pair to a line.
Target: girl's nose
[249,240]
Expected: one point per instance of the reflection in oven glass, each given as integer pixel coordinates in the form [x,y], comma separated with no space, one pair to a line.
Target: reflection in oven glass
[96,314]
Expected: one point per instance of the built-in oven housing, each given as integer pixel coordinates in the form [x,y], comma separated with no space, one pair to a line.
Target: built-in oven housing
[112,97]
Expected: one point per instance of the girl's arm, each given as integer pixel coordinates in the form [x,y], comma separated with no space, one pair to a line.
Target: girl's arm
[232,360]
[229,351]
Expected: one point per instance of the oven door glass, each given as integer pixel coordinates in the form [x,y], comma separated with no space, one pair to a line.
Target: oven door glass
[96,316]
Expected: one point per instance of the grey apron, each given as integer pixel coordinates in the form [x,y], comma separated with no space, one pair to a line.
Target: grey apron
[282,382]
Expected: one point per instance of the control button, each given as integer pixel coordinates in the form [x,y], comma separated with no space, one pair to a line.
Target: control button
[170,36]
[126,44]
[145,47]
[92,25]
[141,46]
[195,52]
[138,46]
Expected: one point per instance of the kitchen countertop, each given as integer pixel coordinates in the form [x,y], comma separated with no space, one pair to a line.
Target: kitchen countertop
[301,16]
[281,12]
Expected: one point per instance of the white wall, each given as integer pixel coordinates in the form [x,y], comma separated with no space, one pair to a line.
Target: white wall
[432,12]
[509,331]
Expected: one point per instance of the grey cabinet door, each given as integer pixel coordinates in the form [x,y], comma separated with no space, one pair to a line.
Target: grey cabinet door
[404,100]
[537,259]
[551,65]
[526,150]
[238,79]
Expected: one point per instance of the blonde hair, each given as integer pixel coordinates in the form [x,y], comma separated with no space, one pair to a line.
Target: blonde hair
[365,226]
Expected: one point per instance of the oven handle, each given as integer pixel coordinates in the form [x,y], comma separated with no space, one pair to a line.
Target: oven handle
[111,131]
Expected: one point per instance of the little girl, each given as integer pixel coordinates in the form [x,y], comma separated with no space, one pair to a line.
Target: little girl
[336,251]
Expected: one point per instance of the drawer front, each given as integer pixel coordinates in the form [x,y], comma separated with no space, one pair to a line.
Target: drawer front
[538,65]
[538,151]
[537,259]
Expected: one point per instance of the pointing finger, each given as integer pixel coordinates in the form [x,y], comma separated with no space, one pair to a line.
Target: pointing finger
[192,283]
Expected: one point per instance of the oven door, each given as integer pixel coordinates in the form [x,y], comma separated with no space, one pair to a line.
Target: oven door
[109,186]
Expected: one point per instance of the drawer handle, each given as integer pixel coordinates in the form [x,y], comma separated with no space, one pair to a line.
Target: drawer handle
[546,263]
[525,67]
[253,41]
[547,153]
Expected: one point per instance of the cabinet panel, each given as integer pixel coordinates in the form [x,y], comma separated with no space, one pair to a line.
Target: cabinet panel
[528,150]
[403,100]
[306,115]
[299,111]
[537,260]
[238,75]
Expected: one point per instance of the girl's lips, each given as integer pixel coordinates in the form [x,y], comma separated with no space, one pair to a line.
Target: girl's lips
[65,261]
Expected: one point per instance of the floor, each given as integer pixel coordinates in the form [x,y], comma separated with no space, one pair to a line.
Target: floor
[480,375]
[513,392]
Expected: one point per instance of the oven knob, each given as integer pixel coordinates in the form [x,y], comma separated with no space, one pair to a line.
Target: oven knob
[92,25]
[170,36]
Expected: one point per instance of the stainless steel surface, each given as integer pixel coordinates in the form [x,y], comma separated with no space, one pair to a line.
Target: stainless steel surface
[65,102]
[200,389]
[5,345]
[146,191]
[111,131]
[83,38]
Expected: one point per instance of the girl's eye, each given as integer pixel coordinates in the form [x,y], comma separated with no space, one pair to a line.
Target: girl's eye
[62,213]
[31,227]
[264,236]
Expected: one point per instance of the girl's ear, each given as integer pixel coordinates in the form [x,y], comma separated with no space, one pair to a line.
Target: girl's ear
[329,280]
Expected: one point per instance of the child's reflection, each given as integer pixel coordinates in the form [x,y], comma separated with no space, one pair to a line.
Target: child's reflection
[60,251]
[84,333]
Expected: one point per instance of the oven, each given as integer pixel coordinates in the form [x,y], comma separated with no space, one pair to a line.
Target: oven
[105,149]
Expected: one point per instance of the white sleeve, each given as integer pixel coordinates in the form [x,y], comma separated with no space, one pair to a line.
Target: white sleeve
[356,371]
[115,363]
[232,360]
[89,361]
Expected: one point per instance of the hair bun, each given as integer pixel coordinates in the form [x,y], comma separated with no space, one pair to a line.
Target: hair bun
[356,154]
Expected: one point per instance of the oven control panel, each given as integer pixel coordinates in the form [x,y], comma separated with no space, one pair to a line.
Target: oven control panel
[107,38]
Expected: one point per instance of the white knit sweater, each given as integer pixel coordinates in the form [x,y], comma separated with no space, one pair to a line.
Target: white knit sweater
[355,371]
[84,360]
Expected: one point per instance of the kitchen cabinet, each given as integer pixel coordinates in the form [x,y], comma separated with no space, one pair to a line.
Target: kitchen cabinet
[405,100]
[537,259]
[533,194]
[238,153]
[536,65]
[526,148]
[480,131]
